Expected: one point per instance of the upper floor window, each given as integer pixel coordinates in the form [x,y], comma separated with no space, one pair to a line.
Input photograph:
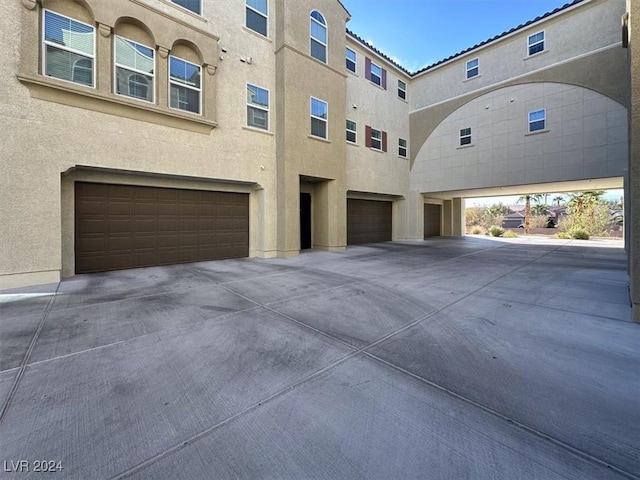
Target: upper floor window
[69,49]
[473,68]
[319,117]
[194,5]
[402,90]
[351,131]
[536,43]
[184,85]
[537,120]
[376,139]
[134,69]
[256,16]
[402,147]
[257,107]
[351,60]
[318,33]
[375,73]
[465,136]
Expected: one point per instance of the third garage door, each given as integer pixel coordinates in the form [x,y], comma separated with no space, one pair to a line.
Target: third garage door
[126,226]
[368,221]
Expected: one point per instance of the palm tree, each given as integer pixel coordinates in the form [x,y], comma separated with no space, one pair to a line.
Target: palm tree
[557,200]
[527,208]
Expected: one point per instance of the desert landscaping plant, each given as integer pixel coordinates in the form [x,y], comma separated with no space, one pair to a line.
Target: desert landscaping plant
[476,230]
[579,233]
[496,231]
[510,234]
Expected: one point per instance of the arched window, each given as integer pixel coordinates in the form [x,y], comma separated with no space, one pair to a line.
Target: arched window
[134,69]
[318,33]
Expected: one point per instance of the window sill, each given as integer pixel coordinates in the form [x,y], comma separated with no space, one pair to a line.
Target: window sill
[403,158]
[460,147]
[472,78]
[66,93]
[353,144]
[320,139]
[377,86]
[379,150]
[257,130]
[403,99]
[355,74]
[537,132]
[536,54]
[257,34]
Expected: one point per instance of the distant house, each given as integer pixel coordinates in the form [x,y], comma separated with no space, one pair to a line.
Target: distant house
[513,220]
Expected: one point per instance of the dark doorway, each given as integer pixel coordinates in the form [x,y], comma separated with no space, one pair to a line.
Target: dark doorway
[305,221]
[432,218]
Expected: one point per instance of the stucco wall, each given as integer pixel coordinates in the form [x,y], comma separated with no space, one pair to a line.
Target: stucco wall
[585,137]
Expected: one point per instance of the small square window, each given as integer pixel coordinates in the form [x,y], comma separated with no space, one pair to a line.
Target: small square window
[465,136]
[402,147]
[351,60]
[319,117]
[351,131]
[537,120]
[473,68]
[536,43]
[257,107]
[402,90]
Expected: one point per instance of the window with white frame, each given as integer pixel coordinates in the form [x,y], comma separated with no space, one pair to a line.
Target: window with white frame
[376,74]
[134,69]
[402,147]
[376,139]
[257,16]
[194,5]
[465,136]
[473,68]
[402,90]
[318,34]
[536,43]
[257,107]
[68,49]
[537,120]
[351,131]
[351,60]
[319,117]
[184,85]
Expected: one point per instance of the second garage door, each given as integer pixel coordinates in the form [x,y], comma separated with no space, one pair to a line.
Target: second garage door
[368,221]
[125,226]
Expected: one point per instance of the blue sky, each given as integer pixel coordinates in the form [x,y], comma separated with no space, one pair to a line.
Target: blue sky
[417,33]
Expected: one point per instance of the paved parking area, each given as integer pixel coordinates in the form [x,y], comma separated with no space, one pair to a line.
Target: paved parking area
[453,358]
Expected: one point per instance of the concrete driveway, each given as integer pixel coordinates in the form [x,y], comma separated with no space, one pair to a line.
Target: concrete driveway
[457,359]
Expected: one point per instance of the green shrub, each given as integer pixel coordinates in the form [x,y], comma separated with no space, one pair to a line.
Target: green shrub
[510,234]
[563,235]
[476,230]
[496,231]
[579,234]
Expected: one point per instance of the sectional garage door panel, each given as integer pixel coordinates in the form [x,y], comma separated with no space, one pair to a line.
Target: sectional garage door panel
[124,226]
[368,221]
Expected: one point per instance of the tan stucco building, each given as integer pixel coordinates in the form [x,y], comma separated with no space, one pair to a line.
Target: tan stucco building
[144,132]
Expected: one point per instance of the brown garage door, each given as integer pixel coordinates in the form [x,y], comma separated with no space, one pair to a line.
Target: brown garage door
[432,220]
[368,221]
[124,226]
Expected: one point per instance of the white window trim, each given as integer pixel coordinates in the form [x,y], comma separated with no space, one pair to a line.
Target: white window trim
[406,147]
[402,90]
[134,70]
[469,136]
[355,132]
[265,15]
[267,109]
[543,41]
[187,10]
[325,120]
[62,47]
[529,122]
[355,60]
[467,69]
[184,85]
[379,149]
[311,37]
[372,74]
